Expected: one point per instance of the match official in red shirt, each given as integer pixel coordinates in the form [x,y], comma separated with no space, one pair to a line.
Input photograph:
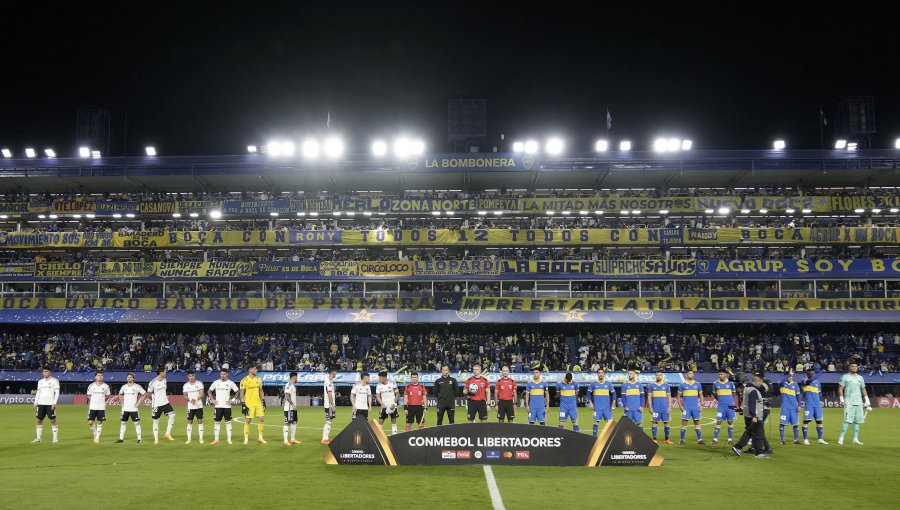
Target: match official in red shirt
[505,389]
[479,391]
[416,398]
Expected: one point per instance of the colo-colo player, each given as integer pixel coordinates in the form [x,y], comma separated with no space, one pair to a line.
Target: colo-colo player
[253,397]
[329,403]
[659,398]
[289,430]
[537,398]
[415,398]
[97,392]
[220,392]
[568,401]
[812,405]
[194,395]
[45,398]
[361,397]
[725,393]
[159,403]
[386,393]
[853,396]
[689,394]
[602,399]
[131,393]
[633,399]
[790,405]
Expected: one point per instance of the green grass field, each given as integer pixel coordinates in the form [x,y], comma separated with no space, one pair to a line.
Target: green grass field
[75,473]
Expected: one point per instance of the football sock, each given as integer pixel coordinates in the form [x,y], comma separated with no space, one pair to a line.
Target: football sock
[259,429]
[596,429]
[39,431]
[654,429]
[228,430]
[393,429]
[156,429]
[731,432]
[796,433]
[122,431]
[293,431]
[856,431]
[716,432]
[190,429]
[666,430]
[216,427]
[246,430]
[683,433]
[576,428]
[170,424]
[137,429]
[843,430]
[781,432]
[284,431]
[200,431]
[99,429]
[55,430]
[820,431]
[326,430]
[805,432]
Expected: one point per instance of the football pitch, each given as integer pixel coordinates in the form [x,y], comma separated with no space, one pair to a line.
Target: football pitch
[75,473]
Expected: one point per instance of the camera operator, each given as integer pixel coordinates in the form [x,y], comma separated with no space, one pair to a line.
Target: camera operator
[754,416]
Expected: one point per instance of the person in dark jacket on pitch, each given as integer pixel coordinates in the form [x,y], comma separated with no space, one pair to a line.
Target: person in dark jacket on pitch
[754,417]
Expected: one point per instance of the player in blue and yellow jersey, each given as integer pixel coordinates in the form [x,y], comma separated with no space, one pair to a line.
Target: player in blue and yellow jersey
[568,401]
[726,395]
[602,399]
[659,397]
[689,394]
[790,404]
[537,399]
[812,405]
[633,398]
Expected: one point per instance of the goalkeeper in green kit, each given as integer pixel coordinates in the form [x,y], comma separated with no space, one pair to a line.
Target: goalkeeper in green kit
[852,393]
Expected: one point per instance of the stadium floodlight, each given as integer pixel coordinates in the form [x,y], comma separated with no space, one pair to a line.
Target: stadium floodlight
[876,211]
[334,148]
[351,213]
[840,144]
[554,146]
[498,213]
[252,149]
[708,211]
[76,216]
[625,145]
[301,214]
[482,213]
[636,212]
[851,146]
[779,145]
[449,213]
[674,144]
[724,210]
[583,213]
[336,213]
[117,216]
[401,147]
[310,149]
[90,216]
[273,214]
[366,213]
[84,152]
[95,154]
[379,148]
[567,212]
[29,152]
[313,213]
[53,216]
[129,215]
[417,147]
[194,215]
[895,210]
[50,153]
[598,213]
[518,146]
[806,211]
[745,211]
[663,211]
[150,150]
[43,216]
[859,211]
[7,153]
[551,212]
[531,147]
[790,211]
[215,214]
[176,215]
[3,217]
[287,148]
[435,213]
[601,146]
[763,211]
[623,212]
[273,148]
[897,143]
[687,145]
[660,145]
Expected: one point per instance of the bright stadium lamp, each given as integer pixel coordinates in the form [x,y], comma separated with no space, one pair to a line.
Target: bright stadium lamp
[90,216]
[894,210]
[623,212]
[95,154]
[551,212]
[4,217]
[779,145]
[176,215]
[50,153]
[273,214]
[401,147]
[724,210]
[274,148]
[150,150]
[687,145]
[351,213]
[708,211]
[859,211]
[215,214]
[763,211]
[76,216]
[663,211]
[897,143]
[449,213]
[435,213]
[518,147]
[601,146]
[806,211]
[790,211]
[598,213]
[366,213]
[313,213]
[482,213]
[531,147]
[660,145]
[129,215]
[674,144]
[876,211]
[554,146]
[43,216]
[334,148]
[29,153]
[379,148]
[851,146]
[566,213]
[745,211]
[840,144]
[625,145]
[287,148]
[310,149]
[583,213]
[498,213]
[417,147]
[252,149]
[7,153]
[636,211]
[53,216]
[301,214]
[84,152]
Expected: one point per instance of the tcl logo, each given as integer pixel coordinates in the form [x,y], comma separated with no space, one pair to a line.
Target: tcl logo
[523,455]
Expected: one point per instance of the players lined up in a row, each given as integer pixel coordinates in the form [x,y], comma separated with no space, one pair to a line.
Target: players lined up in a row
[602,399]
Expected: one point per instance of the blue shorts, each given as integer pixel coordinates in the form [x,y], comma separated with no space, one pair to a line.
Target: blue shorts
[568,413]
[636,415]
[789,417]
[537,414]
[690,414]
[661,415]
[812,413]
[723,413]
[602,414]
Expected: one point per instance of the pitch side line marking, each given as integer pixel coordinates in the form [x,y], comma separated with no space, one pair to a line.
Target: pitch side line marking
[496,500]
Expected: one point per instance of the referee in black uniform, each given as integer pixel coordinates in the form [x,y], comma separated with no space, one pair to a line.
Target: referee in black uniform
[445,392]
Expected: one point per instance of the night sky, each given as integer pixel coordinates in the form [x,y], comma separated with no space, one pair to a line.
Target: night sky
[209,78]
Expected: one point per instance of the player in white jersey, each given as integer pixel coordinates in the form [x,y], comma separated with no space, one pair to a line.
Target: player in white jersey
[45,399]
[361,397]
[386,393]
[194,394]
[130,392]
[159,403]
[97,392]
[290,410]
[221,392]
[329,403]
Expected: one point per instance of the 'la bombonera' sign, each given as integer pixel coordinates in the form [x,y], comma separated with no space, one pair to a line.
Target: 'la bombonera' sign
[620,443]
